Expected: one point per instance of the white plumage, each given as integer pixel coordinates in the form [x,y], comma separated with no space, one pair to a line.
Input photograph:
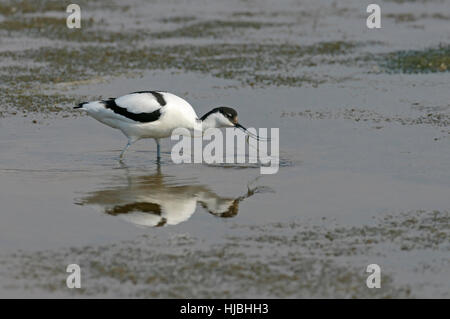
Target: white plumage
[155,201]
[154,114]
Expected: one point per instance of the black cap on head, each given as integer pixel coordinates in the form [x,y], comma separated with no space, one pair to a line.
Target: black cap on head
[226,111]
[231,115]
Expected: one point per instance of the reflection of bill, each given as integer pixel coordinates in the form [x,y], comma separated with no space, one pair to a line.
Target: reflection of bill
[153,201]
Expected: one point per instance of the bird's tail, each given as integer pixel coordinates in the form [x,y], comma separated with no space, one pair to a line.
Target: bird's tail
[80,106]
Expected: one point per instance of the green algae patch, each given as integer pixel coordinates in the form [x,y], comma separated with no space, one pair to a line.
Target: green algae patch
[254,64]
[281,80]
[17,103]
[430,60]
[24,6]
[26,78]
[409,17]
[402,17]
[43,24]
[55,28]
[332,47]
[178,19]
[214,29]
[20,7]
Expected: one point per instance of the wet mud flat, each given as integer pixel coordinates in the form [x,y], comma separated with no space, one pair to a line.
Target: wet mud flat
[275,260]
[364,151]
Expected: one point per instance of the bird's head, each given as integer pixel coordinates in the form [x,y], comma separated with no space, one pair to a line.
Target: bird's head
[221,117]
[225,116]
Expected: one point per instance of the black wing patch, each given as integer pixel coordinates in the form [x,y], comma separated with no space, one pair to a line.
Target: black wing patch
[143,207]
[159,97]
[138,117]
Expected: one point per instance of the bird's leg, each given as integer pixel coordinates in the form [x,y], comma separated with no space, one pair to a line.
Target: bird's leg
[158,150]
[130,141]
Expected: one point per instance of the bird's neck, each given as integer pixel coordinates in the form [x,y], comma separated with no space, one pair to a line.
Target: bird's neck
[209,122]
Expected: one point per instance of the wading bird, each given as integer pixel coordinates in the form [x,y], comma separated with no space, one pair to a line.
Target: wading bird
[154,200]
[155,114]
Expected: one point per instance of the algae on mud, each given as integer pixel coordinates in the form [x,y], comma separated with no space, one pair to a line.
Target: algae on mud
[23,103]
[223,60]
[213,29]
[14,7]
[21,7]
[303,268]
[430,60]
[435,117]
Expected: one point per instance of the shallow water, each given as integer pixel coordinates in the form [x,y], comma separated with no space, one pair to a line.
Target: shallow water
[364,168]
[72,192]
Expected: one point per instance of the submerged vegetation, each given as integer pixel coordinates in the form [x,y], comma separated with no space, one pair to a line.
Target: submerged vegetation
[418,61]
[21,7]
[248,63]
[213,28]
[306,266]
[23,104]
[11,7]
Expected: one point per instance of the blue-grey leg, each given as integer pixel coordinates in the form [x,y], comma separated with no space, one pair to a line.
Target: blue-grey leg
[130,141]
[158,150]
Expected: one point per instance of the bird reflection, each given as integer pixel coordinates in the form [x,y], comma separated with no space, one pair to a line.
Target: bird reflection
[159,200]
